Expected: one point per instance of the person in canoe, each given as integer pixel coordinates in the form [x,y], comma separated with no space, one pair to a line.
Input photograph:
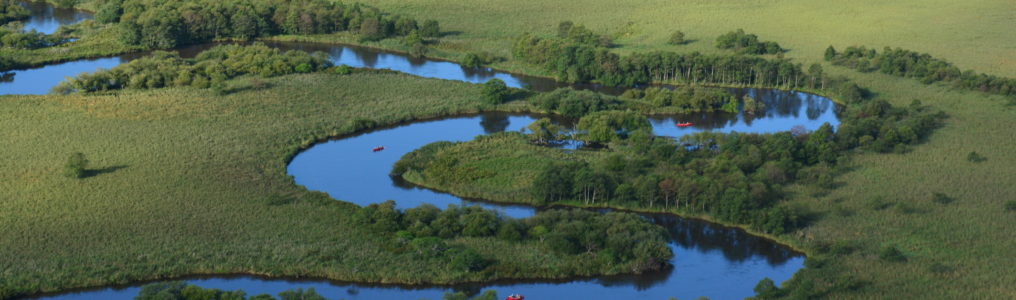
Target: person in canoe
[378,148]
[685,124]
[515,297]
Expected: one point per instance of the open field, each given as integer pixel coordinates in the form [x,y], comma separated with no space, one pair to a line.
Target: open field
[972,34]
[186,182]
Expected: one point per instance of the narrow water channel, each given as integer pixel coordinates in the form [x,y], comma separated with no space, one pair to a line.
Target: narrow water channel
[710,260]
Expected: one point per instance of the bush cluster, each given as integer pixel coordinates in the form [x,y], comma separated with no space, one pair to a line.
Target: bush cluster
[616,238]
[210,68]
[747,43]
[920,66]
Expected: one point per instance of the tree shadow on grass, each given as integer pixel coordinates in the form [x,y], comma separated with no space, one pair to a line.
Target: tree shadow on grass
[106,170]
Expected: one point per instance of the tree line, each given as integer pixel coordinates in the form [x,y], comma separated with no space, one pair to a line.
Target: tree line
[168,24]
[574,62]
[179,290]
[612,239]
[920,66]
[211,68]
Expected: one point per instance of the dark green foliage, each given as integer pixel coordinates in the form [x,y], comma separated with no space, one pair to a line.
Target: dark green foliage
[975,157]
[610,126]
[300,294]
[110,12]
[469,261]
[572,61]
[210,68]
[179,290]
[766,289]
[891,254]
[495,91]
[575,104]
[166,24]
[430,29]
[425,229]
[747,43]
[920,66]
[76,166]
[1010,205]
[10,37]
[676,38]
[11,10]
[686,98]
[830,53]
[486,295]
[343,70]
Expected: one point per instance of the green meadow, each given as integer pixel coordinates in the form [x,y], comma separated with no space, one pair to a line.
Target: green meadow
[182,181]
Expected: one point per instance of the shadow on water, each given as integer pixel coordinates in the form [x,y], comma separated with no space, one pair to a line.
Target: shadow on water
[46,18]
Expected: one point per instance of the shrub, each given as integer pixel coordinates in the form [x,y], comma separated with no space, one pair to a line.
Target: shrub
[495,91]
[343,70]
[1010,205]
[75,167]
[677,38]
[766,289]
[468,260]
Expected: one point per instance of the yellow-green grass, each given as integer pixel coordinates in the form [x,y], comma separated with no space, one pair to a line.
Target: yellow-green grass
[186,180]
[972,236]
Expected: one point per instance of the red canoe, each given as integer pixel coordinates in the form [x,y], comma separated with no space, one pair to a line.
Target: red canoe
[515,297]
[686,124]
[379,148]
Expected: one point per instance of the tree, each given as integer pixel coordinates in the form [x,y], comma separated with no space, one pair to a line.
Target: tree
[495,91]
[370,29]
[544,131]
[430,29]
[608,126]
[677,38]
[830,53]
[766,289]
[75,167]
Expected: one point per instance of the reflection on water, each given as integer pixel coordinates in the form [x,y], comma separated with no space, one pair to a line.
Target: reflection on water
[47,18]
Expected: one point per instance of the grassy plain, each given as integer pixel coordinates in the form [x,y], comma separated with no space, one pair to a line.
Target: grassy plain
[187,182]
[972,34]
[962,249]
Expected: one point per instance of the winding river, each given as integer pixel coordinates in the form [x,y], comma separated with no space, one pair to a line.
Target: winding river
[710,260]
